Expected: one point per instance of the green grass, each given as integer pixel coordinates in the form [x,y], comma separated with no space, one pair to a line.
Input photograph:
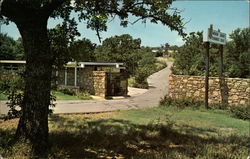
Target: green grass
[59,96]
[62,96]
[216,119]
[3,96]
[150,133]
[170,59]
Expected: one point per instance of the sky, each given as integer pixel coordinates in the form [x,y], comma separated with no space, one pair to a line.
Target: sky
[226,15]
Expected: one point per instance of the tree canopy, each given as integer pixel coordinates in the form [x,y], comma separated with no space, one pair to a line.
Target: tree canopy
[139,61]
[237,53]
[82,50]
[121,48]
[31,18]
[10,49]
[190,58]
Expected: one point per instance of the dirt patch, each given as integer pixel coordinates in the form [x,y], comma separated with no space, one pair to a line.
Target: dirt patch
[8,124]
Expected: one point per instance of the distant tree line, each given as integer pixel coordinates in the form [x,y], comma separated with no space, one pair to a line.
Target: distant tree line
[139,61]
[189,58]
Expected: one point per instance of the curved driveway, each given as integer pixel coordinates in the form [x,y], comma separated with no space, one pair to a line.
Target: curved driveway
[158,83]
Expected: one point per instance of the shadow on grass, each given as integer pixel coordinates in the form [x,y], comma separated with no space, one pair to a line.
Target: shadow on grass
[6,138]
[89,138]
[113,138]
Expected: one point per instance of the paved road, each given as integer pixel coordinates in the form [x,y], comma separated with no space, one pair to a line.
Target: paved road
[158,83]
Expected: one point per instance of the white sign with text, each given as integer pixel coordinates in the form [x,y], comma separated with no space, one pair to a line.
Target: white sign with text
[214,36]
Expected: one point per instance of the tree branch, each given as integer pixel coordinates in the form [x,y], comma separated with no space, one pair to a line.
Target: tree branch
[52,5]
[18,11]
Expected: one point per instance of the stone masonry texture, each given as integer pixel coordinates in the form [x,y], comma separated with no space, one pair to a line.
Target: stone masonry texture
[237,89]
[97,83]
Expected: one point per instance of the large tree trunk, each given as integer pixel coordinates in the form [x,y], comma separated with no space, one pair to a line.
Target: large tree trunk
[31,19]
[33,125]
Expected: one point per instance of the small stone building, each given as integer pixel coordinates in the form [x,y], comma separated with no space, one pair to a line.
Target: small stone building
[100,79]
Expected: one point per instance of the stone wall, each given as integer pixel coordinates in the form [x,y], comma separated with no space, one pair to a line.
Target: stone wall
[237,90]
[93,82]
[98,83]
[85,80]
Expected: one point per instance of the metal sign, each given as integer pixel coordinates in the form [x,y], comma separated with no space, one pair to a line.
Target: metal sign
[215,36]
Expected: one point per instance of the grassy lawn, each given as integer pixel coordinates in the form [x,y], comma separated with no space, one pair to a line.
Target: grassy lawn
[3,97]
[62,96]
[152,133]
[59,96]
[169,59]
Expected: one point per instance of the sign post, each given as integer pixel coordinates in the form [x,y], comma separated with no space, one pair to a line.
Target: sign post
[207,46]
[223,88]
[215,37]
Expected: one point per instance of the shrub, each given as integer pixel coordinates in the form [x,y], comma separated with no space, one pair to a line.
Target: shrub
[131,81]
[143,85]
[141,75]
[68,90]
[160,65]
[241,112]
[84,95]
[12,86]
[181,103]
[159,54]
[73,91]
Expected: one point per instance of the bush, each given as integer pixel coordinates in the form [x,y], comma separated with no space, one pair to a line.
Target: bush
[12,86]
[159,54]
[133,83]
[181,103]
[140,78]
[141,75]
[241,112]
[160,65]
[84,95]
[147,67]
[143,85]
[73,91]
[68,90]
